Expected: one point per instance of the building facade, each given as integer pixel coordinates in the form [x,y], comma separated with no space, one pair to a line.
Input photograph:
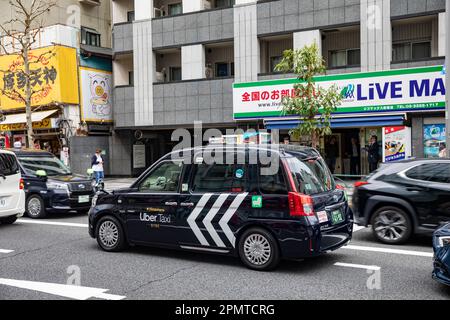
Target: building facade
[70,115]
[176,62]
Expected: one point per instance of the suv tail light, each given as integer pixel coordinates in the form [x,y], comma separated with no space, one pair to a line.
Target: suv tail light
[360,183]
[300,204]
[21,184]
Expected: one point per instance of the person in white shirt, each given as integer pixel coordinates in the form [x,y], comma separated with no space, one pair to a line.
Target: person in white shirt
[97,165]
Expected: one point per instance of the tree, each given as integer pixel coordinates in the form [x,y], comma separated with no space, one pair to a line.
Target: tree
[311,103]
[18,37]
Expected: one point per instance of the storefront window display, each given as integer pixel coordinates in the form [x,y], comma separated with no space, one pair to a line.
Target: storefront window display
[434,140]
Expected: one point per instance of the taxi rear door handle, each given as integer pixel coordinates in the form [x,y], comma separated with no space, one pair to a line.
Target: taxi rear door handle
[186,204]
[171,204]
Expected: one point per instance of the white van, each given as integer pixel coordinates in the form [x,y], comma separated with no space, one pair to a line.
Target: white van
[12,194]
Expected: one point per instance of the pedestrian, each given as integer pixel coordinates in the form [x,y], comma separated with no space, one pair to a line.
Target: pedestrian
[97,163]
[332,152]
[354,157]
[373,154]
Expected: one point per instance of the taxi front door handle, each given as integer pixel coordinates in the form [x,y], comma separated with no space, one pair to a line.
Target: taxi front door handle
[171,204]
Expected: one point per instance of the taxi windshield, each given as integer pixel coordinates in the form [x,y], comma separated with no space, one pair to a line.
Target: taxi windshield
[52,165]
[311,176]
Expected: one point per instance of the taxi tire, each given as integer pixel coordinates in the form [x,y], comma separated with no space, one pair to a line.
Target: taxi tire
[274,259]
[42,213]
[8,220]
[121,242]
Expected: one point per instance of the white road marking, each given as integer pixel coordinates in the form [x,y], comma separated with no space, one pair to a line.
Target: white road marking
[6,251]
[53,223]
[63,290]
[358,266]
[357,228]
[388,250]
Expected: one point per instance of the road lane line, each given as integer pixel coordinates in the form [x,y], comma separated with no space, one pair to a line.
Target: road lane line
[6,251]
[387,250]
[53,223]
[358,266]
[63,290]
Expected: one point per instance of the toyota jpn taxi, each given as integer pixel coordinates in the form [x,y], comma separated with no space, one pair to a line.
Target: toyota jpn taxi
[261,211]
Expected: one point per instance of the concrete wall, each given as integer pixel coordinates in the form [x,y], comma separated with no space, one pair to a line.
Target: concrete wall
[82,149]
[120,150]
[292,15]
[214,25]
[122,66]
[123,106]
[407,7]
[209,101]
[123,37]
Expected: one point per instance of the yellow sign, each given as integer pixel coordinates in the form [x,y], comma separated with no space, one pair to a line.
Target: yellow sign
[44,124]
[53,77]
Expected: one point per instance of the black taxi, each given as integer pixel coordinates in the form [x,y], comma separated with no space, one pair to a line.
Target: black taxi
[261,203]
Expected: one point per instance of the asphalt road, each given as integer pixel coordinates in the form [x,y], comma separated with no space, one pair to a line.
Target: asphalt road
[58,252]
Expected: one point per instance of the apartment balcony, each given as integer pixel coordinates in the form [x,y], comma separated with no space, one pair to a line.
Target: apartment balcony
[182,103]
[124,106]
[195,27]
[123,37]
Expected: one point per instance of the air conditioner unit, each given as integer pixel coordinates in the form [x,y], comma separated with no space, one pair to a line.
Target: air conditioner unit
[207,4]
[158,12]
[159,77]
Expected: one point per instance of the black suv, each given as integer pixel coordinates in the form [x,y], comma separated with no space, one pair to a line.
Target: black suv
[50,186]
[287,207]
[403,198]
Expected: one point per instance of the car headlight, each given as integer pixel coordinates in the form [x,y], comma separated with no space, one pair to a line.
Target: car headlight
[57,186]
[444,241]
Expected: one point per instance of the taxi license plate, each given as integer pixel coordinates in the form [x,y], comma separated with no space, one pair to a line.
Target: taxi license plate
[83,199]
[336,217]
[2,203]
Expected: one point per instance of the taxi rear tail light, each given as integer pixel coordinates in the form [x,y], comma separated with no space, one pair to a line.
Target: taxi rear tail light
[300,205]
[21,184]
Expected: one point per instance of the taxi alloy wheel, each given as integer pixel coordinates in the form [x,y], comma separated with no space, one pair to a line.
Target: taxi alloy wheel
[35,207]
[109,234]
[258,249]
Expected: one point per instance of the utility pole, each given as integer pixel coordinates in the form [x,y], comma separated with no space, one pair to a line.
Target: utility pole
[447,77]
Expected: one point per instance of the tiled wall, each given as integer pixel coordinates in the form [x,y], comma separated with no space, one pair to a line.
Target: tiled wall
[123,37]
[406,7]
[123,106]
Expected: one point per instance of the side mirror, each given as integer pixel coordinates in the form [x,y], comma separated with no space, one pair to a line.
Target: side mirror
[41,173]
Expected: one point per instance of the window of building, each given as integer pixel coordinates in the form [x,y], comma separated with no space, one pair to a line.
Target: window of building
[411,51]
[224,3]
[343,58]
[130,16]
[220,178]
[176,8]
[232,68]
[434,172]
[222,69]
[131,78]
[274,61]
[90,37]
[175,74]
[165,178]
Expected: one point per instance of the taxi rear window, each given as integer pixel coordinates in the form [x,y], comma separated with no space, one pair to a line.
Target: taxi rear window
[8,165]
[310,176]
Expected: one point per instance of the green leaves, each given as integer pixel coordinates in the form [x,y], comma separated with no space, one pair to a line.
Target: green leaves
[311,103]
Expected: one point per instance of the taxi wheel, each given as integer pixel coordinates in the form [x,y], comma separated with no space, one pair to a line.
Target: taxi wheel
[391,225]
[35,207]
[258,249]
[109,234]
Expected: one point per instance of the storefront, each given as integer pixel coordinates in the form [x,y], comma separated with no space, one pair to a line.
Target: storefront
[386,104]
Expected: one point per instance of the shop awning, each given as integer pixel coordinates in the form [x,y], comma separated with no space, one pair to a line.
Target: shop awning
[22,117]
[343,122]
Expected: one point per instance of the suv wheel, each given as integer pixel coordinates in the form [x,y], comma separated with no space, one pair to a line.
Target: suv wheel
[35,207]
[109,234]
[258,249]
[391,225]
[8,220]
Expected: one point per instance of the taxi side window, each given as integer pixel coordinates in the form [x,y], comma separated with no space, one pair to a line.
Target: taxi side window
[164,178]
[272,182]
[220,178]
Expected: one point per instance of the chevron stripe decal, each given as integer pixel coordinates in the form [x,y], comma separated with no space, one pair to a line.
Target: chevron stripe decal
[227,216]
[191,219]
[207,221]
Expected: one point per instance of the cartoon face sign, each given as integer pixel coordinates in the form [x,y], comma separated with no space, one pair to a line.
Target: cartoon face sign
[100,95]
